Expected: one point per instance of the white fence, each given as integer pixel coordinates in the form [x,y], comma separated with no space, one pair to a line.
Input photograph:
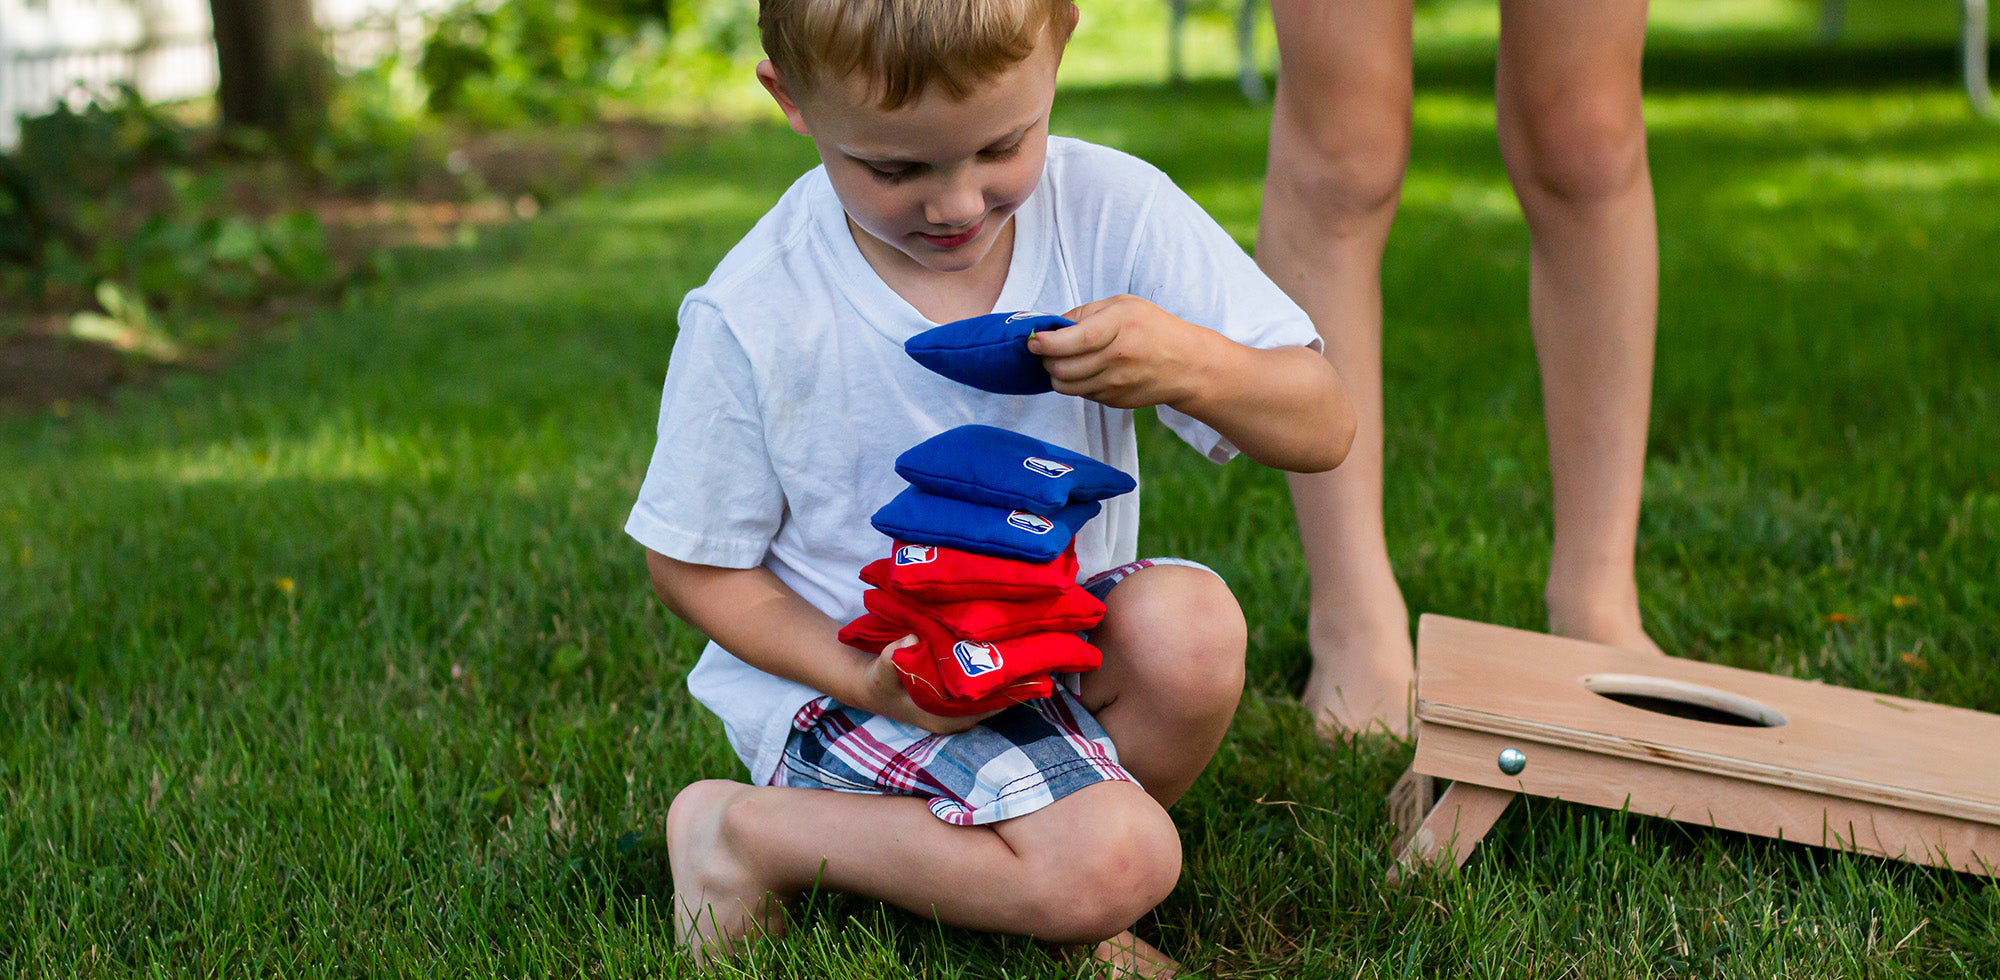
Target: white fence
[57,50]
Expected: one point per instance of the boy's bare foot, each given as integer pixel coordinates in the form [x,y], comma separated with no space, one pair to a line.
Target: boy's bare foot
[717,897]
[1361,679]
[1126,955]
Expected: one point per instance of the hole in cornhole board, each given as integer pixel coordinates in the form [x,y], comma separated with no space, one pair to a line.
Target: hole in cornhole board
[1680,699]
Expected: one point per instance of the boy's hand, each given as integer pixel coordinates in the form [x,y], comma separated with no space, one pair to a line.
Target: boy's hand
[1125,352]
[883,693]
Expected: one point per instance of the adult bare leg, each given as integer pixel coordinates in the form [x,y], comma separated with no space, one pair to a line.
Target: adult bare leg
[1574,140]
[1340,136]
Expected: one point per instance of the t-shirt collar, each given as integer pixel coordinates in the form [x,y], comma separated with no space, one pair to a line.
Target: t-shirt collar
[892,315]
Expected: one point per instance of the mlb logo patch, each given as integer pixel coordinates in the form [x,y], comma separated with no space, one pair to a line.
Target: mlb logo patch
[976,658]
[1031,523]
[916,554]
[1046,467]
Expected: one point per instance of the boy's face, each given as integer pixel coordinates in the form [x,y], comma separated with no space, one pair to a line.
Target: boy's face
[932,183]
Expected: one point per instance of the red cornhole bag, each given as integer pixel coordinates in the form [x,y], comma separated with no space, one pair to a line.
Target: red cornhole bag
[919,671]
[991,620]
[934,573]
[971,669]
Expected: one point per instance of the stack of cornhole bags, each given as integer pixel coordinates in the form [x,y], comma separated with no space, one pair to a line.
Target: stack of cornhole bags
[983,570]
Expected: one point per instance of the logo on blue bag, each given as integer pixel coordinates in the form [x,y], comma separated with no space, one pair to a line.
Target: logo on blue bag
[976,658]
[916,554]
[1031,523]
[1046,467]
[1024,314]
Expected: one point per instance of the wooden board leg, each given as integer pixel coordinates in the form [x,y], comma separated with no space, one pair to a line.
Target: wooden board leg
[1453,827]
[1409,801]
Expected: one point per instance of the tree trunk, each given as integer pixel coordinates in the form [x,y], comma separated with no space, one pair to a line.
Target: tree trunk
[273,66]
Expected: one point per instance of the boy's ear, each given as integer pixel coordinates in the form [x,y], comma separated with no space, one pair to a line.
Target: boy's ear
[768,75]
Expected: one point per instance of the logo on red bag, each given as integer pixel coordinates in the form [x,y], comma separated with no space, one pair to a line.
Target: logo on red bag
[916,554]
[976,658]
[1031,523]
[1046,467]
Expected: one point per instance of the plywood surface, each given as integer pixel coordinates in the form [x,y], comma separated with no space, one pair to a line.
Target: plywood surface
[1709,800]
[1836,742]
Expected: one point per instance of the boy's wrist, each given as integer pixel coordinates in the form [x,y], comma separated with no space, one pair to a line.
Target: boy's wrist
[1214,358]
[851,683]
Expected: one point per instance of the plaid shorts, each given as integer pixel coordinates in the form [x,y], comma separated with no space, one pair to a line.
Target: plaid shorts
[1012,764]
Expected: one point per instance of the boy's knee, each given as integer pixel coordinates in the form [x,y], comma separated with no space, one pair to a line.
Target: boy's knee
[720,809]
[1125,861]
[1186,628]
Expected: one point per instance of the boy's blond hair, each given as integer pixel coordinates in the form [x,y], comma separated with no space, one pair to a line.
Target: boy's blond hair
[904,47]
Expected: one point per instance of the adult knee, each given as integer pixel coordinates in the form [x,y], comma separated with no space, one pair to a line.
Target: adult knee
[1338,162]
[1576,148]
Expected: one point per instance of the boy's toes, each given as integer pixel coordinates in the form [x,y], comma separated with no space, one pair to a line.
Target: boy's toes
[1127,956]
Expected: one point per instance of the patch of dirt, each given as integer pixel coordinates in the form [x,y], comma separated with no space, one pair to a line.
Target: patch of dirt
[487,180]
[42,369]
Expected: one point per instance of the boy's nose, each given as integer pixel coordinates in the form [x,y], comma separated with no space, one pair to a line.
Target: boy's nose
[959,203]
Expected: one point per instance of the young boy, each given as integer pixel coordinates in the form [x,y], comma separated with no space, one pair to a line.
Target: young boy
[788,398]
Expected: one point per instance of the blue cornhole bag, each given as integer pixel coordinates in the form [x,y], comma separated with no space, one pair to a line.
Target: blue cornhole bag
[988,352]
[980,528]
[985,465]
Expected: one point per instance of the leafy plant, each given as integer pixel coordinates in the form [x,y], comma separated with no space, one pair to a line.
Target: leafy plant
[125,324]
[528,60]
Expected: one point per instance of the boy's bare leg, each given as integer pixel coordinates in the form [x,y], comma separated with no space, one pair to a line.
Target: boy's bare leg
[1340,137]
[1173,639]
[1574,139]
[1074,872]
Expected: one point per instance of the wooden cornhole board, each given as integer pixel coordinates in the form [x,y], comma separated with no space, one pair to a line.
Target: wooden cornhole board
[1798,760]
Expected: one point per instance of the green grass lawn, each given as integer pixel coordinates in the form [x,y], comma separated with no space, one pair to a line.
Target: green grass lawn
[336,663]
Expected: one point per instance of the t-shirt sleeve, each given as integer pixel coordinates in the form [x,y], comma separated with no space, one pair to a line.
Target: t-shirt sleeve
[1185,262]
[710,496]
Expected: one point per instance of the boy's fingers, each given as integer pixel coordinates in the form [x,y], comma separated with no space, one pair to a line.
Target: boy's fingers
[1088,308]
[1082,338]
[1073,371]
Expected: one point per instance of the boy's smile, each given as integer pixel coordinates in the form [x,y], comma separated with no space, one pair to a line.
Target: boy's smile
[930,186]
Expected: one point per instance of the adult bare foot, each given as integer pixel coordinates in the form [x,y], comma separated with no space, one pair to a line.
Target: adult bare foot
[1126,955]
[1612,621]
[1361,679]
[718,899]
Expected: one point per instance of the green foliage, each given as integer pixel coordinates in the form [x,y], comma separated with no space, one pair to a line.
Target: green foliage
[377,135]
[195,251]
[126,324]
[106,203]
[528,60]
[63,177]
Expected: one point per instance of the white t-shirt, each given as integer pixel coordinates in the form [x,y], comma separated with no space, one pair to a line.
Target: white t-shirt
[788,395]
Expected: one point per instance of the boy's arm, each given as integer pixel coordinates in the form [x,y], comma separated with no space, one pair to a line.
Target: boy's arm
[1284,407]
[765,624]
